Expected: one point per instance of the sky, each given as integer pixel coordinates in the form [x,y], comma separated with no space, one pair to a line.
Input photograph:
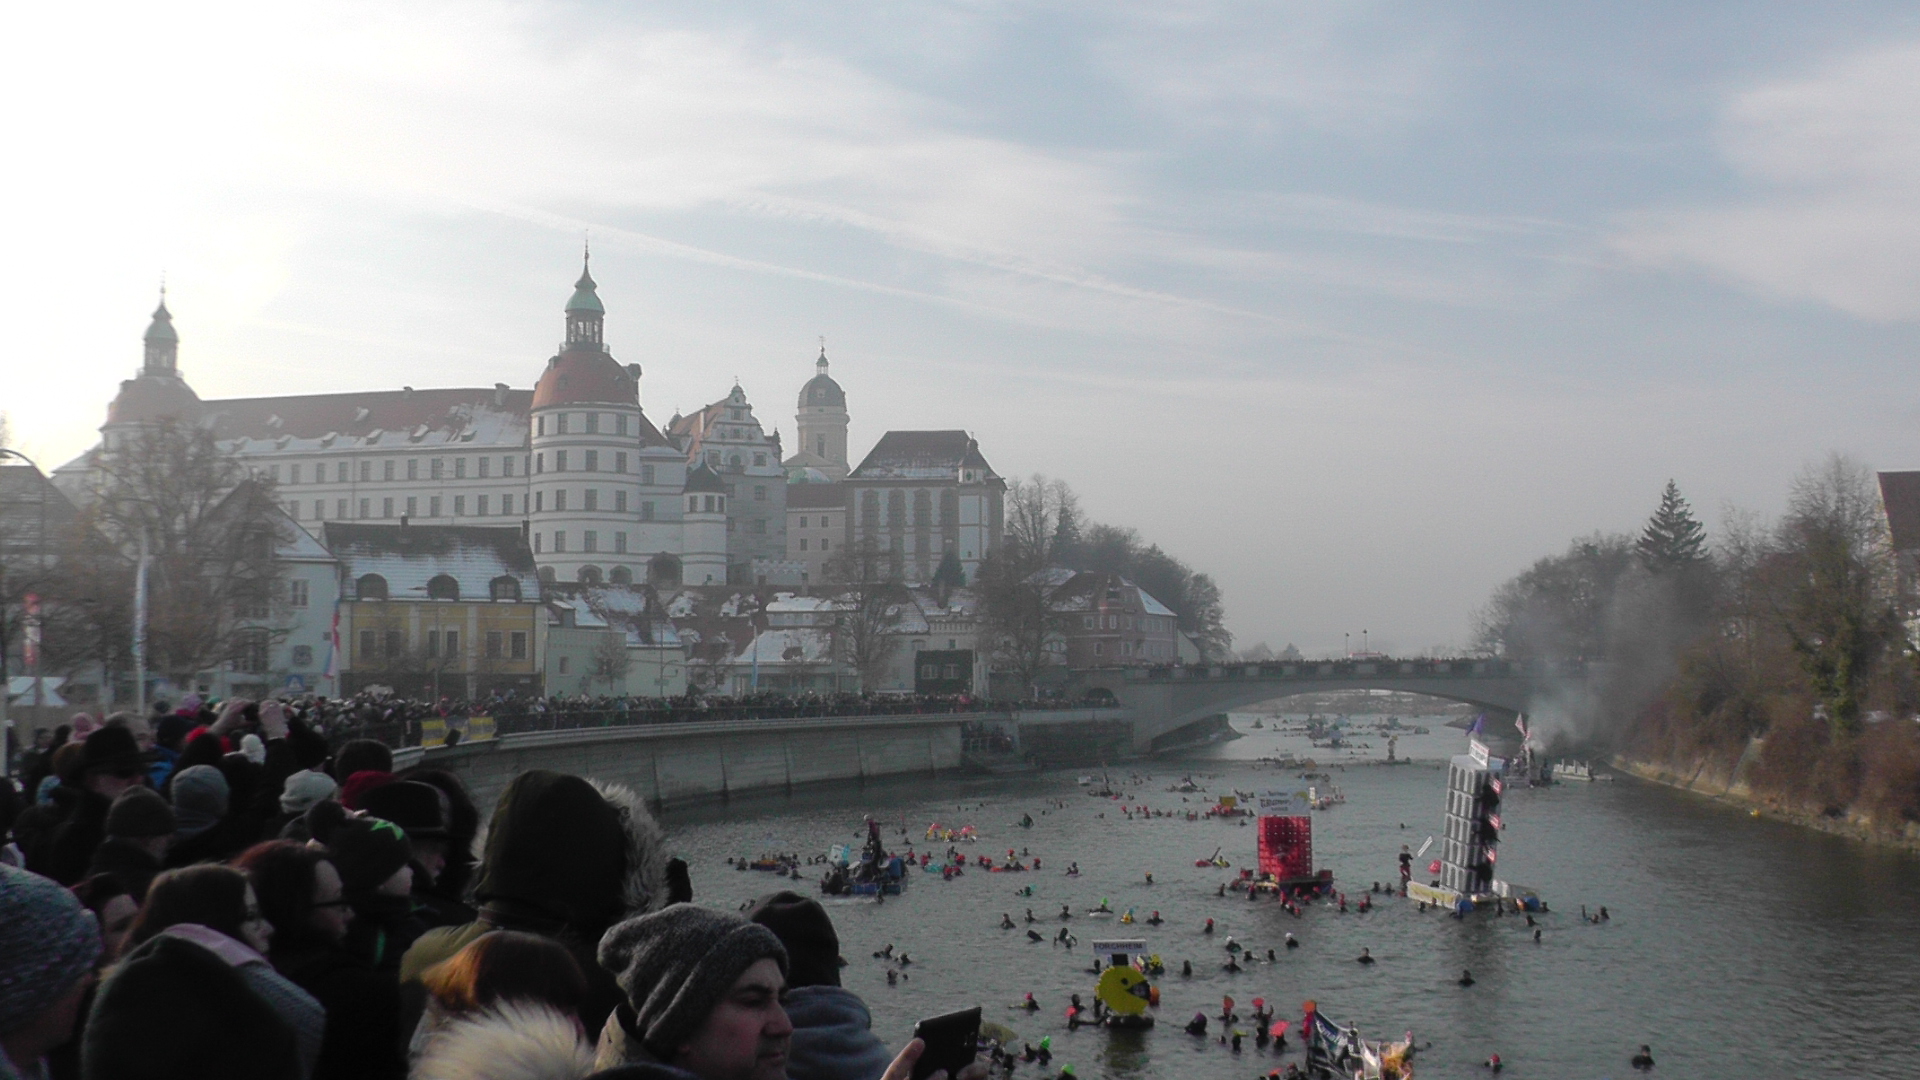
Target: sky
[1359,307]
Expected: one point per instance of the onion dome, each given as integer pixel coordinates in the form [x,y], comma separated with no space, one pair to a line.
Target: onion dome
[821,391]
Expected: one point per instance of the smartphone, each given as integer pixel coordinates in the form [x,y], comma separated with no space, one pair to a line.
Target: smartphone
[951,1042]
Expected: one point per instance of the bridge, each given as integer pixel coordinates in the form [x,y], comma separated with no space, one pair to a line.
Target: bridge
[1163,700]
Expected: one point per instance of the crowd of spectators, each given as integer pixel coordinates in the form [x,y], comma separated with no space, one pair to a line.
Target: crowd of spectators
[232,893]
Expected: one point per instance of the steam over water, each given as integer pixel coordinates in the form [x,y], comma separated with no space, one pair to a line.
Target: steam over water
[1737,947]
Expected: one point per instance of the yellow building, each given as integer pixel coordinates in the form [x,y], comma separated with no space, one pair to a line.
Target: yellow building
[438,610]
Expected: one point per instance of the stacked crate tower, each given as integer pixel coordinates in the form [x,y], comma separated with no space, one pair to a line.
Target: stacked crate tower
[1471,845]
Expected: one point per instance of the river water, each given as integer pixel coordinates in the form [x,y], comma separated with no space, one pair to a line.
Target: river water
[1737,946]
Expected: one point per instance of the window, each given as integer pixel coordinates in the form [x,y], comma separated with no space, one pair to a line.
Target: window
[273,473]
[539,501]
[759,459]
[620,543]
[620,459]
[621,575]
[386,470]
[826,523]
[560,424]
[340,473]
[396,643]
[438,468]
[433,506]
[1086,622]
[453,644]
[559,541]
[646,510]
[540,426]
[518,645]
[803,545]
[293,474]
[340,508]
[539,463]
[646,474]
[293,509]
[506,466]
[493,644]
[506,505]
[483,470]
[803,523]
[443,587]
[592,496]
[297,592]
[459,468]
[620,502]
[560,499]
[479,504]
[896,509]
[433,643]
[820,445]
[459,505]
[413,506]
[593,423]
[759,493]
[559,461]
[825,543]
[536,543]
[620,424]
[370,587]
[386,507]
[566,666]
[363,508]
[319,509]
[504,587]
[413,468]
[369,650]
[590,540]
[593,456]
[922,509]
[303,656]
[1096,648]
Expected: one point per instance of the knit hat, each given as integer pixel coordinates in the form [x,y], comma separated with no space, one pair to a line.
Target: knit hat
[677,963]
[366,850]
[305,788]
[802,925]
[47,942]
[200,796]
[112,749]
[140,813]
[410,804]
[356,786]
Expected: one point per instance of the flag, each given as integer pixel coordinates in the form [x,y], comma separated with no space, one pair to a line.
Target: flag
[1520,722]
[1479,724]
[333,644]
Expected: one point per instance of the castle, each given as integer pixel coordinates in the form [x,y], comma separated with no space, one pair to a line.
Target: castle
[603,494]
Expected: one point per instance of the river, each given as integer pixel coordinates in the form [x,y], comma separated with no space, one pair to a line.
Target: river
[1736,947]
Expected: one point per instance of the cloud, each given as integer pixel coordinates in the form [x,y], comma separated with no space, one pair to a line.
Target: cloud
[1829,164]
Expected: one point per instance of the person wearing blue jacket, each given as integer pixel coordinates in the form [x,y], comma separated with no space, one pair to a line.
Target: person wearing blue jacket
[832,1029]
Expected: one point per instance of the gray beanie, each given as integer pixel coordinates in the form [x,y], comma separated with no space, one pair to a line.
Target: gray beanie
[47,942]
[200,798]
[677,963]
[305,788]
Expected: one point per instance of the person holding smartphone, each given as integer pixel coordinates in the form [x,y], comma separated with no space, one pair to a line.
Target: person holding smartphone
[705,993]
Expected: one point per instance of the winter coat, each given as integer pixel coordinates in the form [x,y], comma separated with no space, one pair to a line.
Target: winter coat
[363,1013]
[132,865]
[514,1040]
[621,1054]
[73,829]
[833,1036]
[383,929]
[293,1005]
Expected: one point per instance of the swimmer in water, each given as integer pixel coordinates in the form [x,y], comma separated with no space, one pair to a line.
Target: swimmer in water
[1230,966]
[1035,936]
[1494,1063]
[1149,879]
[1643,1060]
[1029,1004]
[1272,958]
[1291,943]
[1031,917]
[886,953]
[1006,921]
[1197,1025]
[1186,969]
[1365,957]
[1066,912]
[1155,919]
[1466,978]
[1536,937]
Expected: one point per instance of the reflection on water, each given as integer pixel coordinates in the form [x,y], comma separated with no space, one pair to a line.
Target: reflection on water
[1737,946]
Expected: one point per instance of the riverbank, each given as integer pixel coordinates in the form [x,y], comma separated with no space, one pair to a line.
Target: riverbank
[1725,782]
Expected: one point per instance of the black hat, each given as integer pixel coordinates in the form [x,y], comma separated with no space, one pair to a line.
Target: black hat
[410,804]
[366,850]
[802,925]
[112,749]
[141,813]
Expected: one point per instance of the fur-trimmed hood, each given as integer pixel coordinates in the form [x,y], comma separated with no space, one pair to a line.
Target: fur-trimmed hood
[645,886]
[586,854]
[513,1040]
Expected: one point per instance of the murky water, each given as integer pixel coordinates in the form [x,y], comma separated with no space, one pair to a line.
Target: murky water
[1737,947]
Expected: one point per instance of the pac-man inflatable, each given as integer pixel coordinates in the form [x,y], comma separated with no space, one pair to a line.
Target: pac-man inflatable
[1124,991]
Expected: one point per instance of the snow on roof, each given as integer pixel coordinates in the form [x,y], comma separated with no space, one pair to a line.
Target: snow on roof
[409,556]
[795,646]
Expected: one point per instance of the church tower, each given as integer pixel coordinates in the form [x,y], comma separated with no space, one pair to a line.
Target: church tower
[157,392]
[823,424]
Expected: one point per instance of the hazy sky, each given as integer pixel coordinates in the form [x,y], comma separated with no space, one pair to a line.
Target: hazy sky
[1359,307]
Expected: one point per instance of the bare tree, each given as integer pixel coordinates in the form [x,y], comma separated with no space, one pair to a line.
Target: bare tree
[1018,618]
[869,605]
[210,529]
[609,662]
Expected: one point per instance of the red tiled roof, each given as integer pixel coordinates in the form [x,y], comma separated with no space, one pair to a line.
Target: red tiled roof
[583,376]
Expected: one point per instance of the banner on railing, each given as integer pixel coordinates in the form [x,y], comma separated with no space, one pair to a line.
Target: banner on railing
[479,728]
[433,732]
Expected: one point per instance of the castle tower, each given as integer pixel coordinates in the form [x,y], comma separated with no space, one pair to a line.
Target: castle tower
[157,392]
[704,528]
[588,431]
[823,424]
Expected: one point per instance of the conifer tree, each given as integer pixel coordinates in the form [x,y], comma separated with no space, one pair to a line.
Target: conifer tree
[1674,539]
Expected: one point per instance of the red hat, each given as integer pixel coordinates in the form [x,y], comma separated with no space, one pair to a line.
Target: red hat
[360,783]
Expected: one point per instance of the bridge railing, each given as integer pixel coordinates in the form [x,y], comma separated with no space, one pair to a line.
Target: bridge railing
[1380,667]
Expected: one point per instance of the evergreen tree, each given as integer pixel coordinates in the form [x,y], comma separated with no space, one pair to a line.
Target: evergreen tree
[1674,539]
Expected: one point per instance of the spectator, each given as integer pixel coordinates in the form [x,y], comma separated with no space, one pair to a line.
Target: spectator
[421,812]
[140,828]
[449,890]
[214,909]
[373,857]
[204,831]
[48,946]
[362,755]
[113,907]
[302,896]
[566,860]
[833,1035]
[503,966]
[109,763]
[298,794]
